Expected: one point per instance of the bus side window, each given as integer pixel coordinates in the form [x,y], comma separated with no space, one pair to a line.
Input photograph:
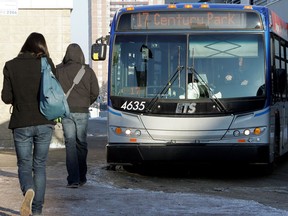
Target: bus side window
[280,81]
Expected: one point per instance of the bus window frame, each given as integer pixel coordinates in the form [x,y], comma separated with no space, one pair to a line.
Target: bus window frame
[279,65]
[127,20]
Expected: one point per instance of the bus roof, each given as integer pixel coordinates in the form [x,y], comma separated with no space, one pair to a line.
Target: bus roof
[278,26]
[193,5]
[190,16]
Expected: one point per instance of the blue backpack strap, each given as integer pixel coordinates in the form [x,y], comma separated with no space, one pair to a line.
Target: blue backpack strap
[44,64]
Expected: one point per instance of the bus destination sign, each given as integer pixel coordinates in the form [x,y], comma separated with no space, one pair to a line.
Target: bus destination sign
[192,20]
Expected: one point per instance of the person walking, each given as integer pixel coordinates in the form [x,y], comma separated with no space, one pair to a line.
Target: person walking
[75,127]
[32,132]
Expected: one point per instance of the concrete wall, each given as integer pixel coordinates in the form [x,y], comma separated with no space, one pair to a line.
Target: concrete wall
[52,19]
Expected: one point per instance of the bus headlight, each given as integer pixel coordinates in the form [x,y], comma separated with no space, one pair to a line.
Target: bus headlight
[236,133]
[128,132]
[246,132]
[118,130]
[257,131]
[138,133]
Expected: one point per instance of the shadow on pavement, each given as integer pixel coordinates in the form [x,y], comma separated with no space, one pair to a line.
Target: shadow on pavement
[7,212]
[8,174]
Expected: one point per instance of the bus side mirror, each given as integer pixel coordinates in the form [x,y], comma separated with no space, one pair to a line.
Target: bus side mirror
[280,81]
[98,51]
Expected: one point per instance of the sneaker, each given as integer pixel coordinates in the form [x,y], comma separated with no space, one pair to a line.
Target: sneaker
[27,203]
[81,183]
[37,213]
[73,185]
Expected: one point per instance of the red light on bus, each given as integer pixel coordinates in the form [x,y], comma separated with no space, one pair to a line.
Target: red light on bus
[133,140]
[241,140]
[118,130]
[257,131]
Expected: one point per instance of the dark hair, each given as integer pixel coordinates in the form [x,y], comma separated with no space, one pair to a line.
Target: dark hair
[35,44]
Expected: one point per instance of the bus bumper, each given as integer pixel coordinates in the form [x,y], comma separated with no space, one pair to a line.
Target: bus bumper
[138,154]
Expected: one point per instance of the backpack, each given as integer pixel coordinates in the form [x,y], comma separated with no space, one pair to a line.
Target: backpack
[53,101]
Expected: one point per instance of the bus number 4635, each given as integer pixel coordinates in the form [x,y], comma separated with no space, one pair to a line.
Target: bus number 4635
[133,105]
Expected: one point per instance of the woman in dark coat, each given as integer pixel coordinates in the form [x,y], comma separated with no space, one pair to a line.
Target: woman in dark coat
[32,132]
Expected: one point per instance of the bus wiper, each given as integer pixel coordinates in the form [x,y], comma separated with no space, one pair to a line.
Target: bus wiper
[221,107]
[164,90]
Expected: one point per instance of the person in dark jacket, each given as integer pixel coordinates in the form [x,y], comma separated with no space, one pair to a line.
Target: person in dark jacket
[32,132]
[75,127]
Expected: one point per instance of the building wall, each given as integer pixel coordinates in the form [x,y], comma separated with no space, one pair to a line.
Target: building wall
[100,26]
[54,19]
[50,18]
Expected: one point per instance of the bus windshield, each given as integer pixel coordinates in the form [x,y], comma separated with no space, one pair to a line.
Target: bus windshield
[186,66]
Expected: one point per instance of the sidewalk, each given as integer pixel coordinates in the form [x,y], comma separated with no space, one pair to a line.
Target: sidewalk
[59,200]
[11,195]
[99,197]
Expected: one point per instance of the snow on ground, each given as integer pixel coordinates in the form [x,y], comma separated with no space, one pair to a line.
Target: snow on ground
[139,202]
[103,198]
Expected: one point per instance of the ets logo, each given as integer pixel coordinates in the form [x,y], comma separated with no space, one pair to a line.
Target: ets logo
[186,108]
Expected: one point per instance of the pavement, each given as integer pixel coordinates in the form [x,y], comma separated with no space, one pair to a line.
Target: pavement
[11,196]
[101,197]
[59,200]
[98,198]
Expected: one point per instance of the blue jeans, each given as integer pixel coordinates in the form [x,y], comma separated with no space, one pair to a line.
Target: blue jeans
[32,147]
[75,133]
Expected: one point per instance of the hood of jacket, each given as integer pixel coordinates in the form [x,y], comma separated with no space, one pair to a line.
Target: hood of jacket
[74,54]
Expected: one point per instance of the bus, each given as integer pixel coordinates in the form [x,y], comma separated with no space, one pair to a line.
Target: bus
[196,82]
